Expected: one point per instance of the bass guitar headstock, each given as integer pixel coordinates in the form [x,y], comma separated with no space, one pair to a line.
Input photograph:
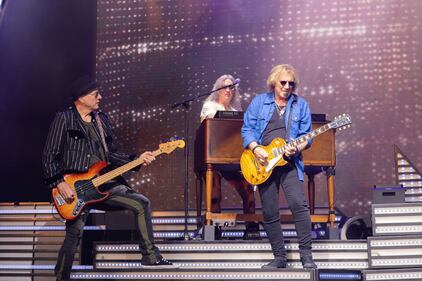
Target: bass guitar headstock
[170,146]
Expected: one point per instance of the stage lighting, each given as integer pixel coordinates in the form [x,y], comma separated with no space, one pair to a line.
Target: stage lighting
[2,2]
[397,219]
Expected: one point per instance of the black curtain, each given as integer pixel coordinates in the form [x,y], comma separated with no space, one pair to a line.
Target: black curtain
[44,45]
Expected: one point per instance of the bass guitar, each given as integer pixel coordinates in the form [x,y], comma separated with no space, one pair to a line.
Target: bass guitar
[86,184]
[256,173]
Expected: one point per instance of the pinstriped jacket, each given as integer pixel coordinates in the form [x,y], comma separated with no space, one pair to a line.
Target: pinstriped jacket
[68,149]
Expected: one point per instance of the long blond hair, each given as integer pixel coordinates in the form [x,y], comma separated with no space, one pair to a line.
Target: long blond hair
[235,102]
[275,74]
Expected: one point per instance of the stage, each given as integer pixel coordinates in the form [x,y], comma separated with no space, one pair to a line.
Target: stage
[31,234]
[152,67]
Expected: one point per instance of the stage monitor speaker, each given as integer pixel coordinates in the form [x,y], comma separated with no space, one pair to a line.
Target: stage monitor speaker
[384,194]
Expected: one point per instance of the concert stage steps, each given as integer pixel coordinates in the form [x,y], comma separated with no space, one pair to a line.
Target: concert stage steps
[406,274]
[234,254]
[205,274]
[31,234]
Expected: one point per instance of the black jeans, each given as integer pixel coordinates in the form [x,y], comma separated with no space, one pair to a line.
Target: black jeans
[286,176]
[122,197]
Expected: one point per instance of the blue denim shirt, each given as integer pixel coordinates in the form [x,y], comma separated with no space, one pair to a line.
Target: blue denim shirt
[259,113]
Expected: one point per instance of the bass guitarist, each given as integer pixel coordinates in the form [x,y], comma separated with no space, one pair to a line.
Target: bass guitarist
[280,113]
[78,138]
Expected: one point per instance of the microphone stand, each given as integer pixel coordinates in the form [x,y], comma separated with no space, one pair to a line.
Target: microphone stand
[186,105]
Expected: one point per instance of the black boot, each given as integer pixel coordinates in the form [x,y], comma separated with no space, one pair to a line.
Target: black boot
[276,263]
[308,262]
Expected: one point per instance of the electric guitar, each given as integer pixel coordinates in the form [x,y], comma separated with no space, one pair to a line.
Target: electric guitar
[86,184]
[255,173]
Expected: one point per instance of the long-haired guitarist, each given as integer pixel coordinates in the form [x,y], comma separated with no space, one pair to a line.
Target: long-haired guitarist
[78,138]
[281,113]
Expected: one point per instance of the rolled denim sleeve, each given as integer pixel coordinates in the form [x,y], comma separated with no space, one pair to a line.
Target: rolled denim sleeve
[249,129]
[305,125]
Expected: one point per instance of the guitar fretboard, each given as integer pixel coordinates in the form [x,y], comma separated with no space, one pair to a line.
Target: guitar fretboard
[121,170]
[279,151]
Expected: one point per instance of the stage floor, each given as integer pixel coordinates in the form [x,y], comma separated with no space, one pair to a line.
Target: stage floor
[31,234]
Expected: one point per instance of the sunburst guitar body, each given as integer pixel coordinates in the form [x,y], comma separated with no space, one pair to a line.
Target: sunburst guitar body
[253,171]
[86,192]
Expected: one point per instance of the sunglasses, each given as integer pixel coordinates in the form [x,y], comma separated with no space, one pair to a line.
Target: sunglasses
[94,93]
[291,83]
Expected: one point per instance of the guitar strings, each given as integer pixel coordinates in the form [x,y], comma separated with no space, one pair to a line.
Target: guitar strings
[116,172]
[112,174]
[280,150]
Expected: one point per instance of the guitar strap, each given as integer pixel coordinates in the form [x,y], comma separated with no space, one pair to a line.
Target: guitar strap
[290,118]
[102,135]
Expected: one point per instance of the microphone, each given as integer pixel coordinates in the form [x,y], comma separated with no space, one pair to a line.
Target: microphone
[236,82]
[231,86]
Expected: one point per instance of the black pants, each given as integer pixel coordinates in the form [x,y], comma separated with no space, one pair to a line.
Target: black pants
[122,197]
[293,188]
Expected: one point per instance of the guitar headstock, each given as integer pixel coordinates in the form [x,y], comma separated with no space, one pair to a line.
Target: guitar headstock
[170,146]
[342,121]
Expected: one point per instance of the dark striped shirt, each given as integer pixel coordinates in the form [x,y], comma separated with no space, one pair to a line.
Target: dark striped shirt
[68,148]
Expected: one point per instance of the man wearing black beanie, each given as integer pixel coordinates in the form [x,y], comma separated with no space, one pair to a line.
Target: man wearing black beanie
[78,138]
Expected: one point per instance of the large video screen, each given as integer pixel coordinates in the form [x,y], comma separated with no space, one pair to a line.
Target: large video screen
[358,57]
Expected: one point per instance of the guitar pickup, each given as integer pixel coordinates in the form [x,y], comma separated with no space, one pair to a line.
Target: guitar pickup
[59,200]
[80,203]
